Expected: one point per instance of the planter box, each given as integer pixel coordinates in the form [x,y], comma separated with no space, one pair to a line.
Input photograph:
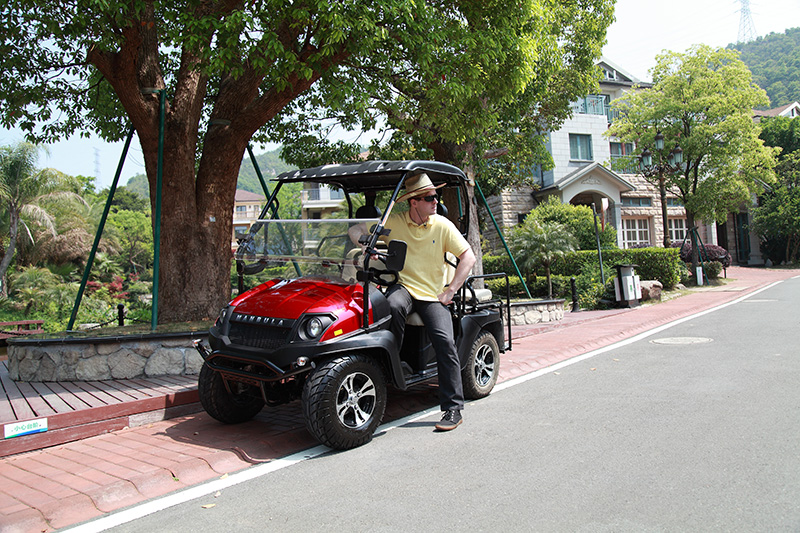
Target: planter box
[535,311]
[102,358]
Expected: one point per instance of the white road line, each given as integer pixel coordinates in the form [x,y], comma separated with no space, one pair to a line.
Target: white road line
[211,487]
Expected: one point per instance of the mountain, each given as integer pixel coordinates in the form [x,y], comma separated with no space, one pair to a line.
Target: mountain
[774,61]
[270,164]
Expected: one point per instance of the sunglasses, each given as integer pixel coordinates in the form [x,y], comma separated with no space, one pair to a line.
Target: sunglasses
[430,198]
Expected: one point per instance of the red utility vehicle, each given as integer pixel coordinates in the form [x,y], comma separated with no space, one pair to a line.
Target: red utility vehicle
[319,330]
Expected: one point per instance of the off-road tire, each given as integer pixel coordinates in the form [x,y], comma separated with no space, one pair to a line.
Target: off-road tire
[483,366]
[228,408]
[344,401]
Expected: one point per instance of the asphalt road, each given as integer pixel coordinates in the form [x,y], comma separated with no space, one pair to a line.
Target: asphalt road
[699,431]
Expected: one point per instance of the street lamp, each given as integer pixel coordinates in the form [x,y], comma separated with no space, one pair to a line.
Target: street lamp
[661,168]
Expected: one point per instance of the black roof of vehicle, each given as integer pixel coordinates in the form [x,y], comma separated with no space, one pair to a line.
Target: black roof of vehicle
[373,175]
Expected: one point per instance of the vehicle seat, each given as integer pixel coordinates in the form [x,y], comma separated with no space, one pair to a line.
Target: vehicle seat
[481,295]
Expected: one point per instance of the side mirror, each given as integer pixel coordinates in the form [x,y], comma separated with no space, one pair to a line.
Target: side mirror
[396,256]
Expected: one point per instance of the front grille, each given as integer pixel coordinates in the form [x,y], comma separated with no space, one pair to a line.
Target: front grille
[259,332]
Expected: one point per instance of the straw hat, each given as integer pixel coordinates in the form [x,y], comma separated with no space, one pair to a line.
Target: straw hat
[417,186]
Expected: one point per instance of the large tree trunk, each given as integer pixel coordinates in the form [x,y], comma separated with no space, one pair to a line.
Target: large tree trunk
[459,156]
[196,202]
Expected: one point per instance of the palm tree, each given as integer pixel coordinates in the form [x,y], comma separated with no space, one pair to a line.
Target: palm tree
[539,244]
[21,188]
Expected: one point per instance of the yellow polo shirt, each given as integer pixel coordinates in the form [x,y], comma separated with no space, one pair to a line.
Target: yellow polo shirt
[424,271]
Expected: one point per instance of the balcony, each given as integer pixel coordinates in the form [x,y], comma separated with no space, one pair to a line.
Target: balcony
[321,197]
[595,104]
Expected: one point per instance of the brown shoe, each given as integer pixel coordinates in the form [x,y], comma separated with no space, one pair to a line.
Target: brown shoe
[450,420]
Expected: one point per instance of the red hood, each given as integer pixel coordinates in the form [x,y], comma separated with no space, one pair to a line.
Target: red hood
[291,298]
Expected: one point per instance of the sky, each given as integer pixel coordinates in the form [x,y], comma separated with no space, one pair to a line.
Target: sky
[642,30]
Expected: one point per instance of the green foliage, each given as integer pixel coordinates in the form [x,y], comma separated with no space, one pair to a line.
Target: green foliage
[491,77]
[662,264]
[578,219]
[777,218]
[22,189]
[773,61]
[702,100]
[589,286]
[659,264]
[712,269]
[783,132]
[126,199]
[535,243]
[135,238]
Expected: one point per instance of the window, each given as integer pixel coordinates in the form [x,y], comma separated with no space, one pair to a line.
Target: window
[580,147]
[622,158]
[620,149]
[241,208]
[674,202]
[636,232]
[677,229]
[637,202]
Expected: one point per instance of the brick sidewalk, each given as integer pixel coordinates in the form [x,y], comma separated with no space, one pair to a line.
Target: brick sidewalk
[61,486]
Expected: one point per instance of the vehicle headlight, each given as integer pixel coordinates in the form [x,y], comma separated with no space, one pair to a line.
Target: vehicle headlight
[314,327]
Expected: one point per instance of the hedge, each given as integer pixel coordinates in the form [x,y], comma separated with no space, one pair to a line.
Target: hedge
[660,264]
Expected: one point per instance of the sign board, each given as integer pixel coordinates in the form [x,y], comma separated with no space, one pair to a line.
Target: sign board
[28,427]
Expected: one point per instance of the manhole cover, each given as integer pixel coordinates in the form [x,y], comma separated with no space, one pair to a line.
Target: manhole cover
[681,340]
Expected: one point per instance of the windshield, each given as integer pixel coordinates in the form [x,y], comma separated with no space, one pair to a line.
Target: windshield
[303,248]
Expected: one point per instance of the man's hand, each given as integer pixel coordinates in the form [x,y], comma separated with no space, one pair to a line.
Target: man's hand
[446,298]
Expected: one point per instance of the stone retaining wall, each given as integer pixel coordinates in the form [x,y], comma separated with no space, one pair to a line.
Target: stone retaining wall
[533,312]
[98,358]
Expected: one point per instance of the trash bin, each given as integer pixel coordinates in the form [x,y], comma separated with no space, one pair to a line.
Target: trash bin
[627,287]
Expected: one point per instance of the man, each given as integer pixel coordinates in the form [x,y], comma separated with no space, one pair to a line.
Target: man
[421,285]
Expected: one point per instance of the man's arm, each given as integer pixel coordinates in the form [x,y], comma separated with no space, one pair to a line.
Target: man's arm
[465,263]
[355,233]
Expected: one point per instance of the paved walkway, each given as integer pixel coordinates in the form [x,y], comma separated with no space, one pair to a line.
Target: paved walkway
[48,489]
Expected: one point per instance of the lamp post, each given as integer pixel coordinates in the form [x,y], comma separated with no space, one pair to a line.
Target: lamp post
[661,168]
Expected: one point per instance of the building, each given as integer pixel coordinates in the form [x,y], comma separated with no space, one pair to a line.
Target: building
[246,209]
[582,175]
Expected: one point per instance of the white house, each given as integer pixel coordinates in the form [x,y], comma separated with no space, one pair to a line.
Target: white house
[582,175]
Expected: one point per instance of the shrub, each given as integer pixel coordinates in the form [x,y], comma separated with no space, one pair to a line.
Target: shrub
[578,218]
[561,287]
[498,287]
[659,264]
[712,252]
[712,269]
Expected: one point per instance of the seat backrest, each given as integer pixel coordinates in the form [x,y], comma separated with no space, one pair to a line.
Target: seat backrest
[368,211]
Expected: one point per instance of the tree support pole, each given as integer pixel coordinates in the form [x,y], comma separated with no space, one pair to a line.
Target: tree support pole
[502,239]
[99,233]
[162,97]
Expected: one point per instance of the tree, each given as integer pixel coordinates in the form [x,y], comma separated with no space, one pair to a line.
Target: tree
[537,243]
[136,241]
[494,97]
[777,218]
[22,186]
[578,219]
[783,132]
[702,100]
[223,67]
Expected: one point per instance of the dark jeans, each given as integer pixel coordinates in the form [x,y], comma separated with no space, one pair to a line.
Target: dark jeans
[439,326]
